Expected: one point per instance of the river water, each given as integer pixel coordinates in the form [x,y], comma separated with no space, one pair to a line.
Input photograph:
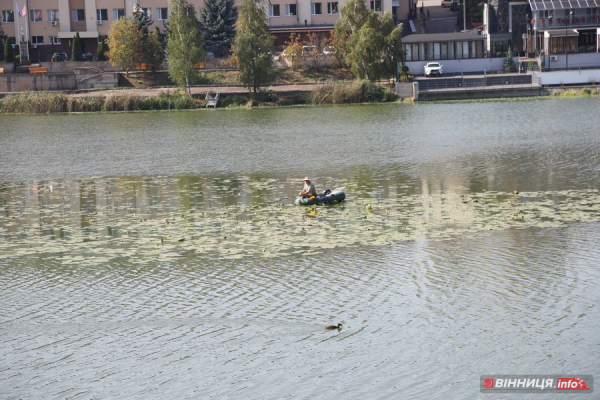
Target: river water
[158,255]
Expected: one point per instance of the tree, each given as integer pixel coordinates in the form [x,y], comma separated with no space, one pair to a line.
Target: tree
[374,44]
[101,51]
[123,39]
[142,21]
[316,45]
[9,55]
[253,45]
[294,50]
[154,54]
[185,45]
[509,64]
[217,23]
[77,53]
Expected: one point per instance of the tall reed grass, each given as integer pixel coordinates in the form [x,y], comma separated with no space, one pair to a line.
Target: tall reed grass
[354,92]
[52,102]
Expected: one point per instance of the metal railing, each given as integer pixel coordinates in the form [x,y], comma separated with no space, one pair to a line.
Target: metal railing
[484,81]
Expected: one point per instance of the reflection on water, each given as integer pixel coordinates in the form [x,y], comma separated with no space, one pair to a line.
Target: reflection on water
[159,255]
[94,221]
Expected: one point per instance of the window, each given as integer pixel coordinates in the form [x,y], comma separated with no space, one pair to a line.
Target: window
[54,39]
[162,14]
[102,14]
[376,5]
[147,11]
[274,10]
[37,40]
[8,16]
[118,13]
[35,15]
[291,10]
[332,7]
[315,9]
[79,15]
[52,15]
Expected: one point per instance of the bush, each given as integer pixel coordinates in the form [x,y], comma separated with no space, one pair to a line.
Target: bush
[354,92]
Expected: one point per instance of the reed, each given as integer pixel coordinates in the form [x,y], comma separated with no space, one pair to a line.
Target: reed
[353,92]
[51,102]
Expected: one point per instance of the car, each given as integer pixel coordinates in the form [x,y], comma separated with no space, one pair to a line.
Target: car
[87,57]
[329,50]
[59,57]
[434,68]
[308,50]
[446,3]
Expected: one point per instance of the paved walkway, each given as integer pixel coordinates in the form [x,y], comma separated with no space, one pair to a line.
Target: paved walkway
[197,90]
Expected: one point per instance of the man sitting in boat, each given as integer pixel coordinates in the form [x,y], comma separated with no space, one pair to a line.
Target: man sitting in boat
[309,189]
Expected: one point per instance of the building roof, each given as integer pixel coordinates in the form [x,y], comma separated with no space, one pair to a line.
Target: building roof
[441,37]
[540,5]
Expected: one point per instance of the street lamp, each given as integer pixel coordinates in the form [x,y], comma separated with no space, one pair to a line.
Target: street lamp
[567,40]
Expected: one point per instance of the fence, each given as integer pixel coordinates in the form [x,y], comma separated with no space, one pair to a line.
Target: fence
[482,81]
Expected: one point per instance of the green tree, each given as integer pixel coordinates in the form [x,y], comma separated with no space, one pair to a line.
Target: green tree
[509,64]
[185,45]
[374,44]
[76,48]
[253,45]
[142,21]
[154,54]
[101,51]
[123,39]
[9,55]
[217,23]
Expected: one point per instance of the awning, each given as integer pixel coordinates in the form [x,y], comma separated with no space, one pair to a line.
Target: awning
[82,34]
[541,5]
[561,33]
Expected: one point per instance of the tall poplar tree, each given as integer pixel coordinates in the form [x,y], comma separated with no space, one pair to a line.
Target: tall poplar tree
[185,45]
[9,54]
[217,22]
[253,45]
[77,53]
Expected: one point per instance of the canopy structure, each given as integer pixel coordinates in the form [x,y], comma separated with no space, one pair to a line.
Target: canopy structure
[541,5]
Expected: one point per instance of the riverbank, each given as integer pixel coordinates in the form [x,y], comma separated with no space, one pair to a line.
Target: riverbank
[174,99]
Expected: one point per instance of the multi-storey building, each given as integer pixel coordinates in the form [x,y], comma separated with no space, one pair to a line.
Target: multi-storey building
[47,22]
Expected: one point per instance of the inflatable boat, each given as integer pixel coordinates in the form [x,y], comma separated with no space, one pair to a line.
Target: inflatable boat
[331,198]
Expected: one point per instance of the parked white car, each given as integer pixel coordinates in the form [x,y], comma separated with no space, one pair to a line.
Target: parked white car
[434,68]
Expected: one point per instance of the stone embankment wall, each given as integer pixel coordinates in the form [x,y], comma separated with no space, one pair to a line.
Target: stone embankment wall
[36,82]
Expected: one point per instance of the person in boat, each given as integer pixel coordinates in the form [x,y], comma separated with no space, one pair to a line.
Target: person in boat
[309,189]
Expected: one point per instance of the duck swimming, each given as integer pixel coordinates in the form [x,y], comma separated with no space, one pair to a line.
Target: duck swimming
[330,327]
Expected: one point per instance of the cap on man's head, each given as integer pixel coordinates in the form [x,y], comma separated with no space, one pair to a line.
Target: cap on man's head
[307,179]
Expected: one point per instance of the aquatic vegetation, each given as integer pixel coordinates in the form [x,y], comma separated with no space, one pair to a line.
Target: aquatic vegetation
[90,222]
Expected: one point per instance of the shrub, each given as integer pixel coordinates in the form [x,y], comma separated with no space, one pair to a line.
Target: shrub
[354,92]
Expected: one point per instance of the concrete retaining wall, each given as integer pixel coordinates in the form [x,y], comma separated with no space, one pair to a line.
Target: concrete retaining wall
[480,94]
[405,90]
[8,68]
[26,82]
[584,76]
[69,66]
[584,60]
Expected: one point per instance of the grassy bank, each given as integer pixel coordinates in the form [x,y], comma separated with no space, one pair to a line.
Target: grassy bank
[52,102]
[281,76]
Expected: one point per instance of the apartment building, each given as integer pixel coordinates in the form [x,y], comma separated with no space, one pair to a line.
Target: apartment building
[47,22]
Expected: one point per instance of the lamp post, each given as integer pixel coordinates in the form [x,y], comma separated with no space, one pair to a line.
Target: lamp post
[567,40]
